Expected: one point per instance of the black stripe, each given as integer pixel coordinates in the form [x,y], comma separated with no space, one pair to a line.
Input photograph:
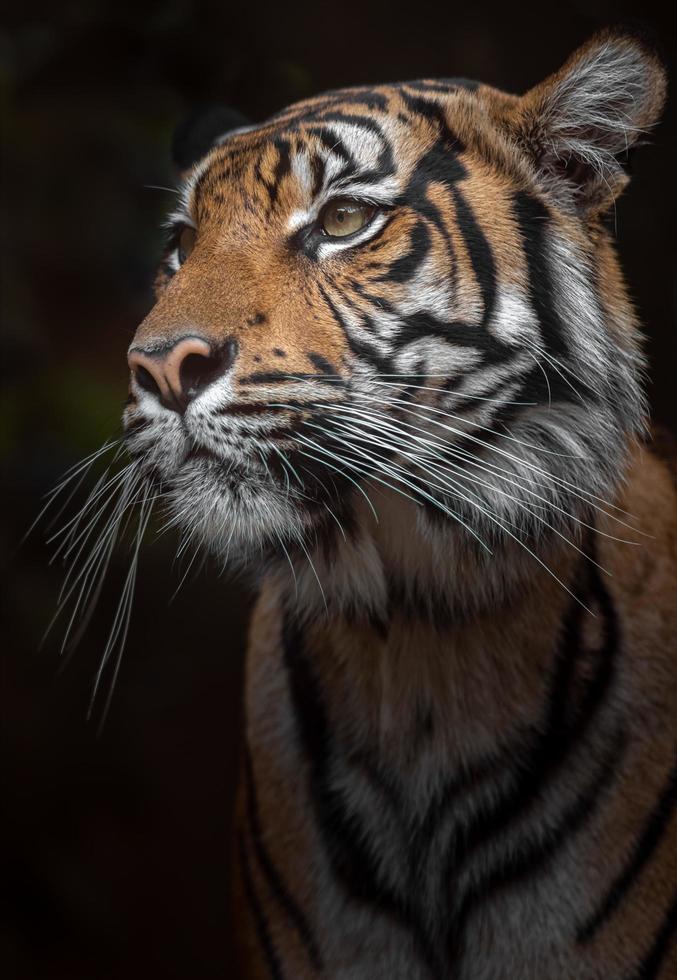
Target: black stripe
[532,857]
[479,250]
[333,142]
[441,163]
[327,369]
[282,168]
[434,112]
[457,333]
[318,168]
[567,718]
[363,122]
[645,846]
[273,876]
[406,266]
[352,860]
[260,923]
[469,377]
[416,200]
[535,387]
[348,851]
[380,302]
[359,347]
[264,377]
[528,769]
[385,165]
[135,425]
[652,962]
[562,729]
[533,219]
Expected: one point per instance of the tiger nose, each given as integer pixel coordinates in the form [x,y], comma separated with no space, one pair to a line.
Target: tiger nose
[177,374]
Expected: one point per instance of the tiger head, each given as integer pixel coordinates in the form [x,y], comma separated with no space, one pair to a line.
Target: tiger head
[400,302]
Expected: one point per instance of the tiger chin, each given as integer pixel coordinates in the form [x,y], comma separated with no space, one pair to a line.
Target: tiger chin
[393,366]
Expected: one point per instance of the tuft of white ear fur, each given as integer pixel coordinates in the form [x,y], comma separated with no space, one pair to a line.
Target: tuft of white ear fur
[579,123]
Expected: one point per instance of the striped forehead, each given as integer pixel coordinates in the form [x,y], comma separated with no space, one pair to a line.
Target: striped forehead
[324,156]
[350,141]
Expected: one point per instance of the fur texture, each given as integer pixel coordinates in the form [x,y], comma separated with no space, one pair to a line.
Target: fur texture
[430,442]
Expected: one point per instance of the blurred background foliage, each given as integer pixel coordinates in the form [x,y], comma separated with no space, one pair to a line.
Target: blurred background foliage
[115,853]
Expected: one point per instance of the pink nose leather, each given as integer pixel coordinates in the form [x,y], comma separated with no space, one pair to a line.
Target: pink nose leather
[165,368]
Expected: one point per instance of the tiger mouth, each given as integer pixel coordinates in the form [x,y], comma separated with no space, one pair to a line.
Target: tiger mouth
[225,466]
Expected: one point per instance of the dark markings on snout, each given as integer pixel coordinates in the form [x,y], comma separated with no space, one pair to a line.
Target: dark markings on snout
[265,377]
[328,371]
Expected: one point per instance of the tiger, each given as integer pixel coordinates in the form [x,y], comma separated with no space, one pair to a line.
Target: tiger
[393,372]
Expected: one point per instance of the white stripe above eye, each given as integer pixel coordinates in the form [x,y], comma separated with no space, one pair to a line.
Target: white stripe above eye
[303,172]
[383,193]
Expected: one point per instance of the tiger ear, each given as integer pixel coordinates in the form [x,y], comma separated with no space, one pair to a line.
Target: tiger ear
[579,124]
[201,131]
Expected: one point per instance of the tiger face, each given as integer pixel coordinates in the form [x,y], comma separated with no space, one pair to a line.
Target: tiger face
[401,300]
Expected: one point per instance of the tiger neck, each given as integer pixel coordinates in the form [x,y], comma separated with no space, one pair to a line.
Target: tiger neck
[407,644]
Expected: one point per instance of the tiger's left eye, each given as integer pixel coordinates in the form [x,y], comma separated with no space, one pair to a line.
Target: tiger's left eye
[345,216]
[186,243]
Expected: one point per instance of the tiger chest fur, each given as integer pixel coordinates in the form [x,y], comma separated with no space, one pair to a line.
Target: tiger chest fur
[392,365]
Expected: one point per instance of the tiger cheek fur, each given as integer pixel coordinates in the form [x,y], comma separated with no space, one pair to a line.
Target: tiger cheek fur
[393,368]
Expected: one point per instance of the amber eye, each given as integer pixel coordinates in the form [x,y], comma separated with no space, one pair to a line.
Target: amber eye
[186,243]
[345,216]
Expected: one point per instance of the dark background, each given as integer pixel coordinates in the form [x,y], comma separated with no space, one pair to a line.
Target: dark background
[115,850]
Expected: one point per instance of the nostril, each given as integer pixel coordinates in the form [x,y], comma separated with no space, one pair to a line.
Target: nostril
[197,372]
[145,380]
